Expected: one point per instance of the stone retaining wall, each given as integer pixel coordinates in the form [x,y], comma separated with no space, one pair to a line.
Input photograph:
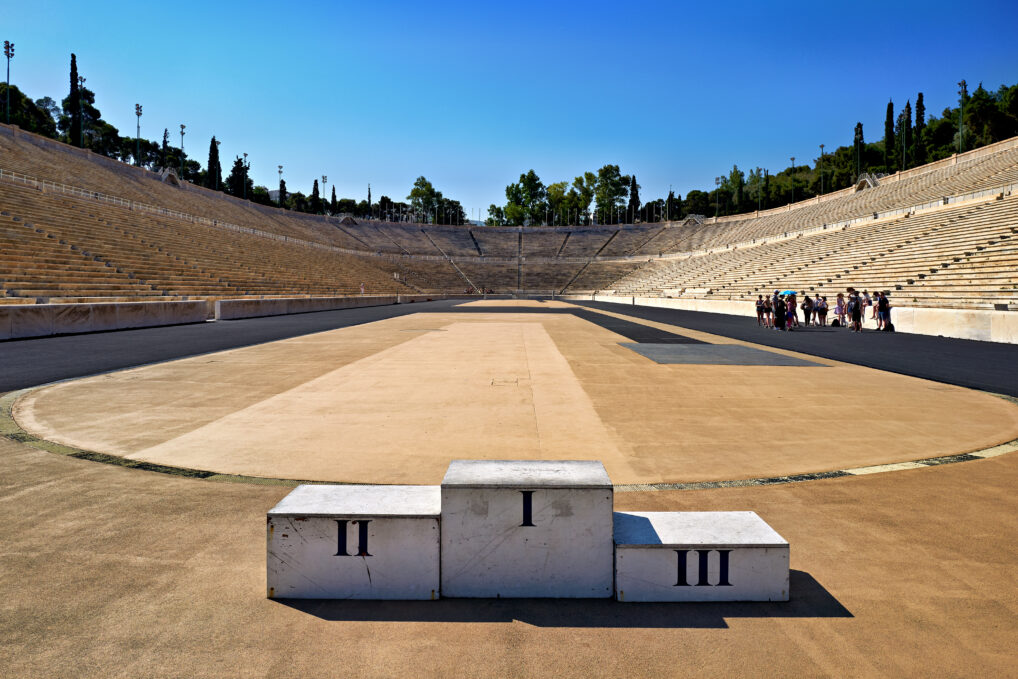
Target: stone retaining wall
[41,320]
[232,309]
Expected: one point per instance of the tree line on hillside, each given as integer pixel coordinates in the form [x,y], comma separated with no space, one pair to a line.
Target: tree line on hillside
[76,120]
[911,138]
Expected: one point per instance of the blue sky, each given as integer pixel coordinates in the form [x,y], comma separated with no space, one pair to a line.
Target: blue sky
[471,94]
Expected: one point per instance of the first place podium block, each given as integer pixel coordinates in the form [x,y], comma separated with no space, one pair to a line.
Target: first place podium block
[355,542]
[698,556]
[526,528]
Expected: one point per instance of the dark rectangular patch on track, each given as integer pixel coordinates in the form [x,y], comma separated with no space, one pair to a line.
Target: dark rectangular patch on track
[715,354]
[641,334]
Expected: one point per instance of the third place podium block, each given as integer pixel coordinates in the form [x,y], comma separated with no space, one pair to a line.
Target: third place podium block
[698,556]
[536,528]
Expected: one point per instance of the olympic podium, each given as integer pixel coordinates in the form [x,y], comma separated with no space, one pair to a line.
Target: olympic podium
[513,529]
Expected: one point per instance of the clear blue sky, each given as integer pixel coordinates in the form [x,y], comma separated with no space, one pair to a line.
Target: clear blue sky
[471,94]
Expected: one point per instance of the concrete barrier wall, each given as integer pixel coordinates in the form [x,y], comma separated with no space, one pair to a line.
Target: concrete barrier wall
[233,309]
[41,320]
[982,325]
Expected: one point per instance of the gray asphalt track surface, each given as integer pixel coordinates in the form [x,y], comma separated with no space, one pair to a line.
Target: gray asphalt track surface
[988,366]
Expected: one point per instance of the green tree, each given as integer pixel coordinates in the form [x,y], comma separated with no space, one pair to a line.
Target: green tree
[423,198]
[673,206]
[634,199]
[333,205]
[496,216]
[526,200]
[889,160]
[611,190]
[557,205]
[260,195]
[315,205]
[74,131]
[282,198]
[858,144]
[33,116]
[736,186]
[239,183]
[580,197]
[918,140]
[698,203]
[906,136]
[299,202]
[214,171]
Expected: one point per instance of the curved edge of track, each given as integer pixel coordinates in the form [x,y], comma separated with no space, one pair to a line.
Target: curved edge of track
[10,429]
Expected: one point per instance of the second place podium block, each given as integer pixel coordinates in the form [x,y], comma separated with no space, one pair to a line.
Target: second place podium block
[534,528]
[354,542]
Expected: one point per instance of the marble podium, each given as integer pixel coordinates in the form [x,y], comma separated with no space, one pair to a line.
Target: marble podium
[698,556]
[514,529]
[530,528]
[355,542]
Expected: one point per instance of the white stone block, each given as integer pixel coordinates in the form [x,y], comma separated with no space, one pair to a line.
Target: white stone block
[698,556]
[355,542]
[533,528]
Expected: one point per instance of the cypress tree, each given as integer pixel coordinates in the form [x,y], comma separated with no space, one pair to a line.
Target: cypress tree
[282,194]
[860,144]
[333,206]
[166,145]
[214,175]
[889,158]
[316,200]
[918,143]
[634,199]
[75,104]
[673,207]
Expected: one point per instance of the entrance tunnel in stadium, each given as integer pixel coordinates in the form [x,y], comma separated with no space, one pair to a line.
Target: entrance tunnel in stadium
[136,466]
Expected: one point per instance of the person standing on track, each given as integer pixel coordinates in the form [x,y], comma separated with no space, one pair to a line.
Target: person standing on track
[854,310]
[807,310]
[760,310]
[883,312]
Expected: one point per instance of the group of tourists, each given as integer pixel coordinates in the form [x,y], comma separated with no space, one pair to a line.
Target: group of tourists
[780,311]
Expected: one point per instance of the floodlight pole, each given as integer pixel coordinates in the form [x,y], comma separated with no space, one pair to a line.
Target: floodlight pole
[821,169]
[9,53]
[182,127]
[962,87]
[137,138]
[717,192]
[245,177]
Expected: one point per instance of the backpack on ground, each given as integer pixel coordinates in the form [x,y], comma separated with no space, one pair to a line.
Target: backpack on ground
[835,323]
[888,327]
